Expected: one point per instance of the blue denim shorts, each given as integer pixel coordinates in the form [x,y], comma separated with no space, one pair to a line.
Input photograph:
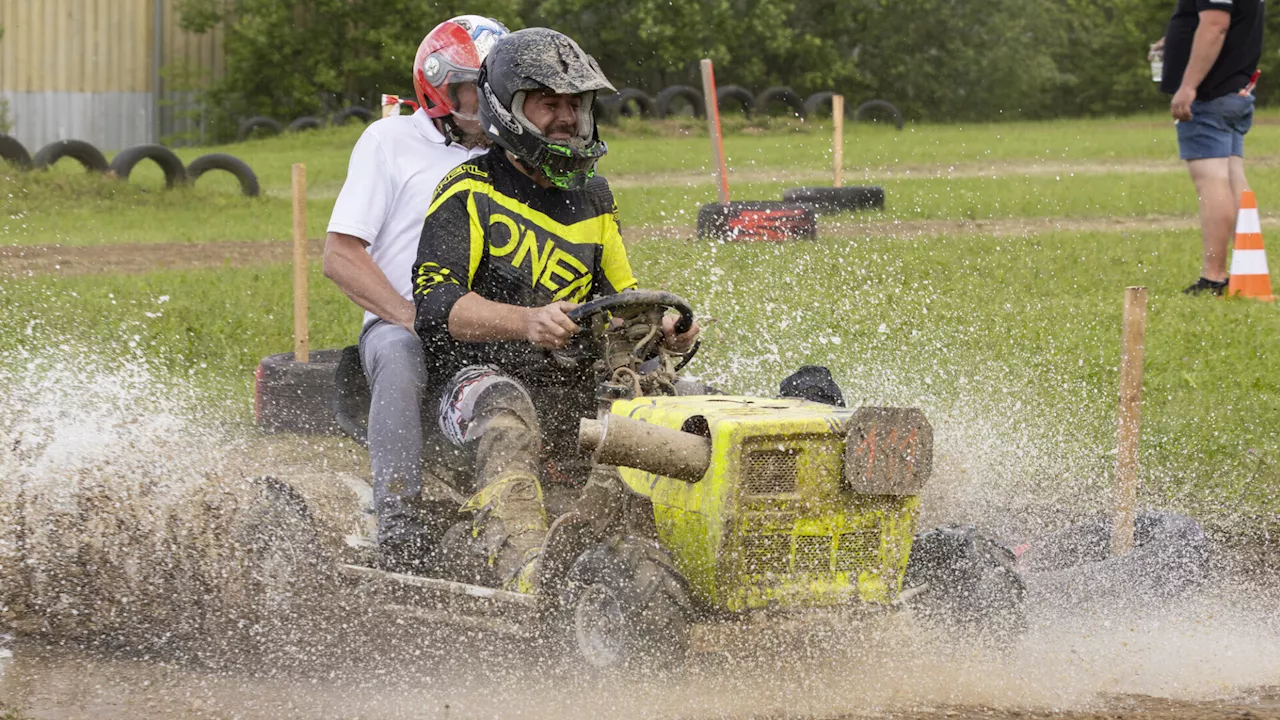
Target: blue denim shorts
[1216,128]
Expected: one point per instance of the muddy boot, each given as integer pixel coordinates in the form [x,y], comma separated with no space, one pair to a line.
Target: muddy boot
[511,524]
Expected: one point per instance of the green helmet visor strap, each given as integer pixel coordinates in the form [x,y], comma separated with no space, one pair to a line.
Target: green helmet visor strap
[568,168]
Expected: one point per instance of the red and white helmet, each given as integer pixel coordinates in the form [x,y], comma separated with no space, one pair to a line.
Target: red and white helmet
[451,54]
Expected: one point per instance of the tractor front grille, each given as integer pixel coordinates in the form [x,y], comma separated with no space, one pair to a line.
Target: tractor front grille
[770,472]
[857,551]
[813,554]
[766,554]
[778,554]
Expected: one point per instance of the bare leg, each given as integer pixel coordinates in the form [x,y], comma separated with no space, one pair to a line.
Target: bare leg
[1213,179]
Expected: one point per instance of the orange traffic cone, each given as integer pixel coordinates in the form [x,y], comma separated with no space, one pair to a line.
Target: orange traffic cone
[1249,275]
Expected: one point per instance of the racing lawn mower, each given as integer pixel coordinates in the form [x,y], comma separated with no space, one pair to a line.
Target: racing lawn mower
[699,515]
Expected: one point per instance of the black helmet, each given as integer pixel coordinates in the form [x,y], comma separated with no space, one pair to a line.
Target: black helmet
[542,59]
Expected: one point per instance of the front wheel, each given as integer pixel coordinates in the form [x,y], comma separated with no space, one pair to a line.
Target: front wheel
[626,606]
[965,580]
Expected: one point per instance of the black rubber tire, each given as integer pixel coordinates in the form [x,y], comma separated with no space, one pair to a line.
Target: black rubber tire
[248,126]
[290,396]
[352,397]
[364,114]
[642,102]
[738,95]
[12,152]
[125,160]
[625,606]
[1074,567]
[970,581]
[780,94]
[860,114]
[306,122]
[232,164]
[819,103]
[837,199]
[669,95]
[85,153]
[723,222]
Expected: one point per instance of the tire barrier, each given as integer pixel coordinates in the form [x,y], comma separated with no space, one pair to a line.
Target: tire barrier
[644,105]
[306,122]
[784,95]
[756,221]
[230,163]
[124,161]
[364,114]
[738,95]
[814,104]
[860,114]
[290,396]
[669,95]
[605,108]
[12,152]
[837,199]
[1074,567]
[248,126]
[86,154]
[352,396]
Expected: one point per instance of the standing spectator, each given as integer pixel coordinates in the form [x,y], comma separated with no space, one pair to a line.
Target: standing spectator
[1211,51]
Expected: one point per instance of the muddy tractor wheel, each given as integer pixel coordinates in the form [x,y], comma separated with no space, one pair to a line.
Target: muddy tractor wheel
[965,580]
[626,607]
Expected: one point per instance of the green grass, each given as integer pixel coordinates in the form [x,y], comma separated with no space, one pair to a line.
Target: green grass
[1009,343]
[1012,341]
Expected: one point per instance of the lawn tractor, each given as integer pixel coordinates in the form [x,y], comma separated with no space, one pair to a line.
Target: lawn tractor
[697,516]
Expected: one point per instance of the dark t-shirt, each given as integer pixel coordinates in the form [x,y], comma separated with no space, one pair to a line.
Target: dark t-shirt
[1240,49]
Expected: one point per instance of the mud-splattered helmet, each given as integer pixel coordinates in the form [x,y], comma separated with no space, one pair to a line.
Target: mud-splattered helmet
[450,55]
[542,59]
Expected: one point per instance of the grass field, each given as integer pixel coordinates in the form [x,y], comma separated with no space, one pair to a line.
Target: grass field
[1009,342]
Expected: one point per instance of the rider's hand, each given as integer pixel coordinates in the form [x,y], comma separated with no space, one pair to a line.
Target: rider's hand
[678,342]
[549,326]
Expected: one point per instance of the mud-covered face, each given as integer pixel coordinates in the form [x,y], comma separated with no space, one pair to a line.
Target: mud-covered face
[555,115]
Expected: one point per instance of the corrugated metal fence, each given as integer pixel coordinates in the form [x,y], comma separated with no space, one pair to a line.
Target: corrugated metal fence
[87,69]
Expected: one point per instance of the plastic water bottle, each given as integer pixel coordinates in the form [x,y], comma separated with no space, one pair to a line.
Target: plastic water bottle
[1157,63]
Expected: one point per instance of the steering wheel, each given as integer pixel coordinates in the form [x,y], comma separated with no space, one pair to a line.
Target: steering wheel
[636,299]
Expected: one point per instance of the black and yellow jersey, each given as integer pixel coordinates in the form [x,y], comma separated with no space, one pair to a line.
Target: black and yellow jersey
[493,231]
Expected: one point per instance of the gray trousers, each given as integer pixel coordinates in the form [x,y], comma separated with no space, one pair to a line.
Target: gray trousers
[394,365]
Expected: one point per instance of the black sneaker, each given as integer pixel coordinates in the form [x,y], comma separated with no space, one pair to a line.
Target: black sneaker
[1204,285]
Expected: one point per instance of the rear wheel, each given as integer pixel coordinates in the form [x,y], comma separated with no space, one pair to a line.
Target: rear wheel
[626,606]
[966,580]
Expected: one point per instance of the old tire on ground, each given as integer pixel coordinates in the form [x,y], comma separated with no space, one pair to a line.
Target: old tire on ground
[248,126]
[125,160]
[814,104]
[871,106]
[12,152]
[605,108]
[625,605]
[632,103]
[837,199]
[736,95]
[362,113]
[781,94]
[756,220]
[230,163]
[668,96]
[85,153]
[968,580]
[306,122]
[291,396]
[352,396]
[1074,567]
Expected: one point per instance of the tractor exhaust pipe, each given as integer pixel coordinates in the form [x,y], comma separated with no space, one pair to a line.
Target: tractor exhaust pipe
[618,440]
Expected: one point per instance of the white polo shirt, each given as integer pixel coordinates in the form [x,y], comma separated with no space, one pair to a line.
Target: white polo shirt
[394,169]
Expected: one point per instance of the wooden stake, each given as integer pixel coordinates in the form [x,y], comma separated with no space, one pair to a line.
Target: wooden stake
[301,340]
[1128,420]
[837,143]
[713,127]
